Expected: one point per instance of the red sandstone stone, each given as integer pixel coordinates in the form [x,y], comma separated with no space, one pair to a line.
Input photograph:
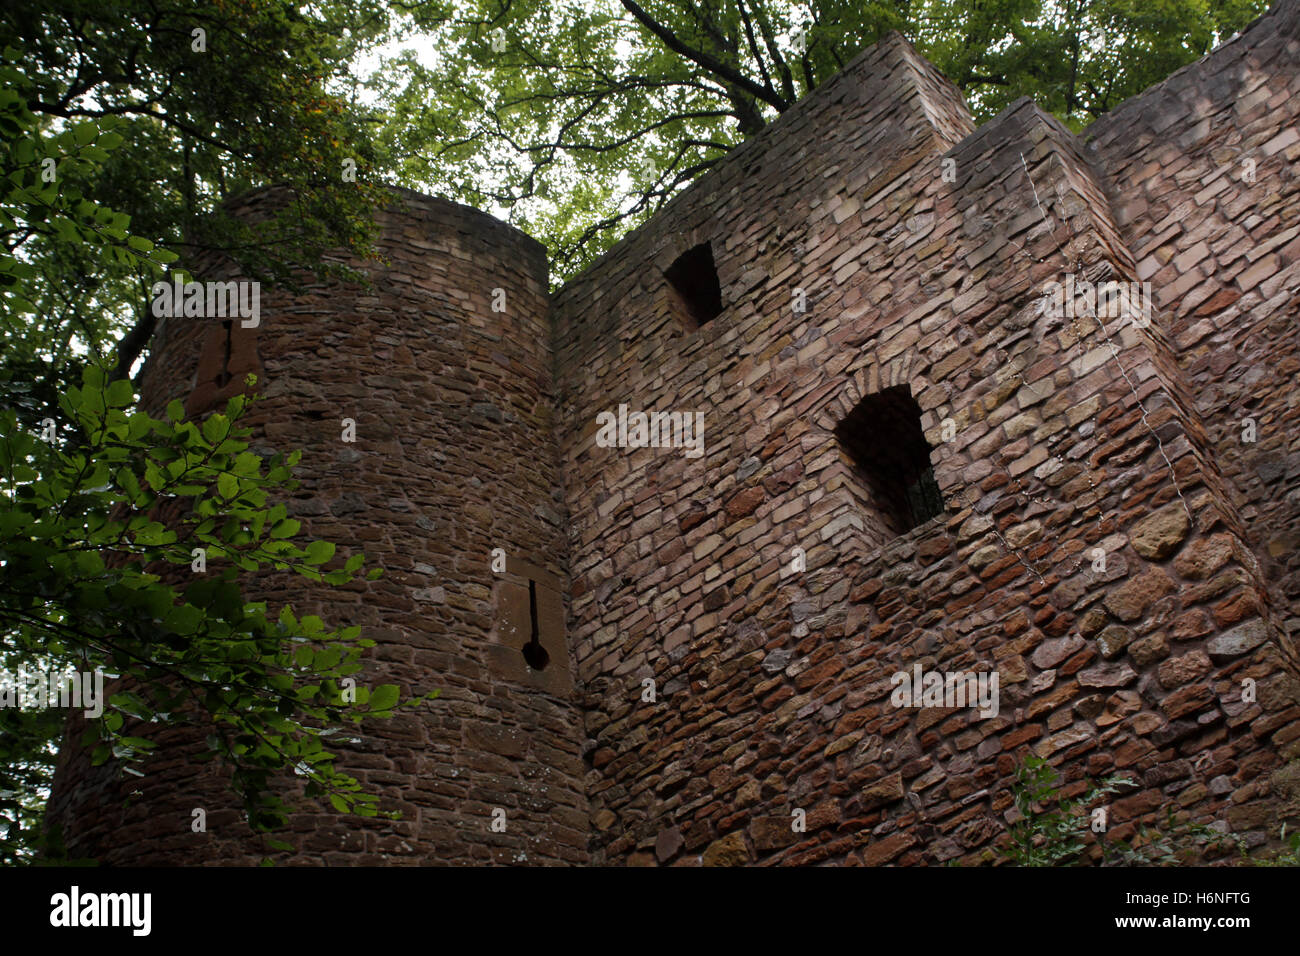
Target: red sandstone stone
[681,568]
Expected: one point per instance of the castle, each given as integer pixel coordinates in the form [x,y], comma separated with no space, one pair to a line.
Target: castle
[1008,403]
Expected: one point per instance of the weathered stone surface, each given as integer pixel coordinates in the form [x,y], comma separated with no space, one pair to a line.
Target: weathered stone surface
[880,852]
[730,850]
[1107,675]
[1067,738]
[1119,705]
[1148,650]
[1285,782]
[772,584]
[1177,671]
[1203,557]
[668,843]
[883,791]
[1187,700]
[1158,535]
[744,503]
[1238,640]
[771,833]
[1051,653]
[1129,601]
[1112,641]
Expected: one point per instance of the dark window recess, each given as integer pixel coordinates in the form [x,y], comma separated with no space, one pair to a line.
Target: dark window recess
[534,653]
[223,377]
[889,461]
[693,279]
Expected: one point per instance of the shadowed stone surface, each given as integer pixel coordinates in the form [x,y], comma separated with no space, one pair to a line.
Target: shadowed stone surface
[1109,544]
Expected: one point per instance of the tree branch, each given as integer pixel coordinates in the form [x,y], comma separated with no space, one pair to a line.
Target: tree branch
[708,62]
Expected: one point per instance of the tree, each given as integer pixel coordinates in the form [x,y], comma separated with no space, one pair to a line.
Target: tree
[213,99]
[86,536]
[580,120]
[103,507]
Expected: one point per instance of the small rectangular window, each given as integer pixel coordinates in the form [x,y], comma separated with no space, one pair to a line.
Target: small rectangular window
[694,288]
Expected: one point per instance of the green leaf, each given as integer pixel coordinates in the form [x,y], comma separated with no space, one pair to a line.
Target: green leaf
[215,427]
[383,697]
[286,528]
[318,552]
[227,485]
[120,394]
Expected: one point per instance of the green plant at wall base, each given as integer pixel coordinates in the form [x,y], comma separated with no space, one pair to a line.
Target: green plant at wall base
[1051,829]
[1180,843]
[1054,830]
[1287,856]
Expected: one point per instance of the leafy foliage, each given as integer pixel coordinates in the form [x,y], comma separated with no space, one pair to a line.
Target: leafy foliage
[579,120]
[183,125]
[102,506]
[1288,855]
[56,240]
[1053,830]
[85,540]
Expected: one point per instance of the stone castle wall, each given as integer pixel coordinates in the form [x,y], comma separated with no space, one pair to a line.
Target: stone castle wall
[722,630]
[453,457]
[1207,193]
[774,684]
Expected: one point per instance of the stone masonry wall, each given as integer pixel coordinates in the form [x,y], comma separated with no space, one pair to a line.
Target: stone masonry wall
[1208,197]
[453,458]
[1203,168]
[1069,433]
[721,631]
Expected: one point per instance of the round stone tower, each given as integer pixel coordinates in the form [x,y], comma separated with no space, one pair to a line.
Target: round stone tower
[442,369]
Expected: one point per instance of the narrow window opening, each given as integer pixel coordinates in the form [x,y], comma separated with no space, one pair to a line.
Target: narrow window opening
[693,279]
[223,377]
[890,470]
[534,653]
